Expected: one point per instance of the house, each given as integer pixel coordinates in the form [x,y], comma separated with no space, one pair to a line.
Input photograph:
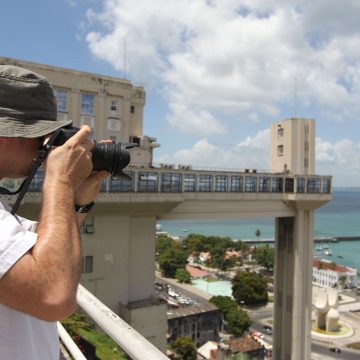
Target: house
[328,274]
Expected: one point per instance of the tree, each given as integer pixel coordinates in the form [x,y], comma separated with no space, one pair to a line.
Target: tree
[265,256]
[164,243]
[250,288]
[184,347]
[236,319]
[171,260]
[183,276]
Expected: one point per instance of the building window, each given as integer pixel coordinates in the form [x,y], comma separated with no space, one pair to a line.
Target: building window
[264,184]
[113,106]
[171,182]
[122,184]
[326,186]
[87,264]
[236,184]
[300,185]
[88,226]
[221,183]
[313,185]
[205,183]
[280,150]
[87,104]
[189,183]
[132,109]
[277,185]
[250,184]
[61,100]
[280,132]
[289,185]
[148,182]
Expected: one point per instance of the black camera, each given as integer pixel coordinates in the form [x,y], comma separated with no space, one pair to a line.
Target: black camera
[105,156]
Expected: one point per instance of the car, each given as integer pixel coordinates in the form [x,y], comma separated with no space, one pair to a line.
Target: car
[335,350]
[267,329]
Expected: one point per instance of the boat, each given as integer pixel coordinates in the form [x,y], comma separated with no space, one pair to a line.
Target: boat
[340,256]
[328,252]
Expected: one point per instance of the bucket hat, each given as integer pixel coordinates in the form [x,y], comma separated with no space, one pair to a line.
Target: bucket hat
[27,104]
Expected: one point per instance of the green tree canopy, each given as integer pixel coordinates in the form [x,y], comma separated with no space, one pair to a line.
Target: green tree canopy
[184,347]
[171,260]
[163,243]
[236,319]
[249,288]
[265,256]
[183,276]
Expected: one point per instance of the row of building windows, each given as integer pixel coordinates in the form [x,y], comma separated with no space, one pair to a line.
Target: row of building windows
[177,182]
[87,103]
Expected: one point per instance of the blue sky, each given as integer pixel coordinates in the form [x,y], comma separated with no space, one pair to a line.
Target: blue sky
[217,72]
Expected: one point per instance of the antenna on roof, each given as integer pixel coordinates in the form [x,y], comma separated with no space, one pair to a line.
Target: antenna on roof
[125,56]
[295,97]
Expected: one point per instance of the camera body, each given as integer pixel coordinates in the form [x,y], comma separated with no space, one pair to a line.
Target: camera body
[112,157]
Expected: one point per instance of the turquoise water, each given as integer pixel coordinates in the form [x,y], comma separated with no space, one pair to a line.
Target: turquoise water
[341,217]
[221,287]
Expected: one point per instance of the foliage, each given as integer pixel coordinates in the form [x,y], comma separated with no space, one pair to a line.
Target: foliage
[237,320]
[250,289]
[78,324]
[265,256]
[183,276]
[184,347]
[164,243]
[171,260]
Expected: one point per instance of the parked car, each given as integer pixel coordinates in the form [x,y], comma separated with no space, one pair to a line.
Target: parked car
[267,329]
[335,350]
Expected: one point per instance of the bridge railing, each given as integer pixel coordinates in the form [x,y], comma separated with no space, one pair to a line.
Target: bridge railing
[168,180]
[132,342]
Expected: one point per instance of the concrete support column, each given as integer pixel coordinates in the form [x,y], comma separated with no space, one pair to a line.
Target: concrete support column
[293,284]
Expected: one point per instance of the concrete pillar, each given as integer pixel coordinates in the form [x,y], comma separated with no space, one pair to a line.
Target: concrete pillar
[293,284]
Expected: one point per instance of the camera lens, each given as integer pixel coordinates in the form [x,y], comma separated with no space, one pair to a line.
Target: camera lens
[110,157]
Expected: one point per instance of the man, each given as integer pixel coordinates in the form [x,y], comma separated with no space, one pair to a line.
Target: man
[40,263]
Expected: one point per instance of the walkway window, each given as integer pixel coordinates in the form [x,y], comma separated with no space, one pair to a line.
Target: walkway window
[313,185]
[170,182]
[289,185]
[264,184]
[122,184]
[250,183]
[189,183]
[280,150]
[221,183]
[326,186]
[300,185]
[277,185]
[148,182]
[236,184]
[205,183]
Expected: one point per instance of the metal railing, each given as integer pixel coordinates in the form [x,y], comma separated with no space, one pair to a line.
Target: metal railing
[132,342]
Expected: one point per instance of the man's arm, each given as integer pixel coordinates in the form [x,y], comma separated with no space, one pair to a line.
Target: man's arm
[43,282]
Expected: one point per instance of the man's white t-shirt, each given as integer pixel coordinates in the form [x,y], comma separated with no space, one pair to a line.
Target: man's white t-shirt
[22,336]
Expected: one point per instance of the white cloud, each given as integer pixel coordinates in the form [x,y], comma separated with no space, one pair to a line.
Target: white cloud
[236,58]
[252,153]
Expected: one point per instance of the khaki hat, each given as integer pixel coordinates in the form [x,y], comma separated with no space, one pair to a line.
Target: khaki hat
[27,104]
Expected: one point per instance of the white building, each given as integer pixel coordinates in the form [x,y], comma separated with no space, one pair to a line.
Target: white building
[328,274]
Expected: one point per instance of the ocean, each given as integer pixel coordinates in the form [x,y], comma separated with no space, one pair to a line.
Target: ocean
[340,217]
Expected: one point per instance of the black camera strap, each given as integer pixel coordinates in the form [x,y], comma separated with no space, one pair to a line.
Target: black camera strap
[40,157]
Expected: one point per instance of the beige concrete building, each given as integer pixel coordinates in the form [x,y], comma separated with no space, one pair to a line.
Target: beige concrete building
[292,146]
[119,234]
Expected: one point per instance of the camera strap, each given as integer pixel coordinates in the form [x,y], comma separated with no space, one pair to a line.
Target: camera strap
[40,157]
